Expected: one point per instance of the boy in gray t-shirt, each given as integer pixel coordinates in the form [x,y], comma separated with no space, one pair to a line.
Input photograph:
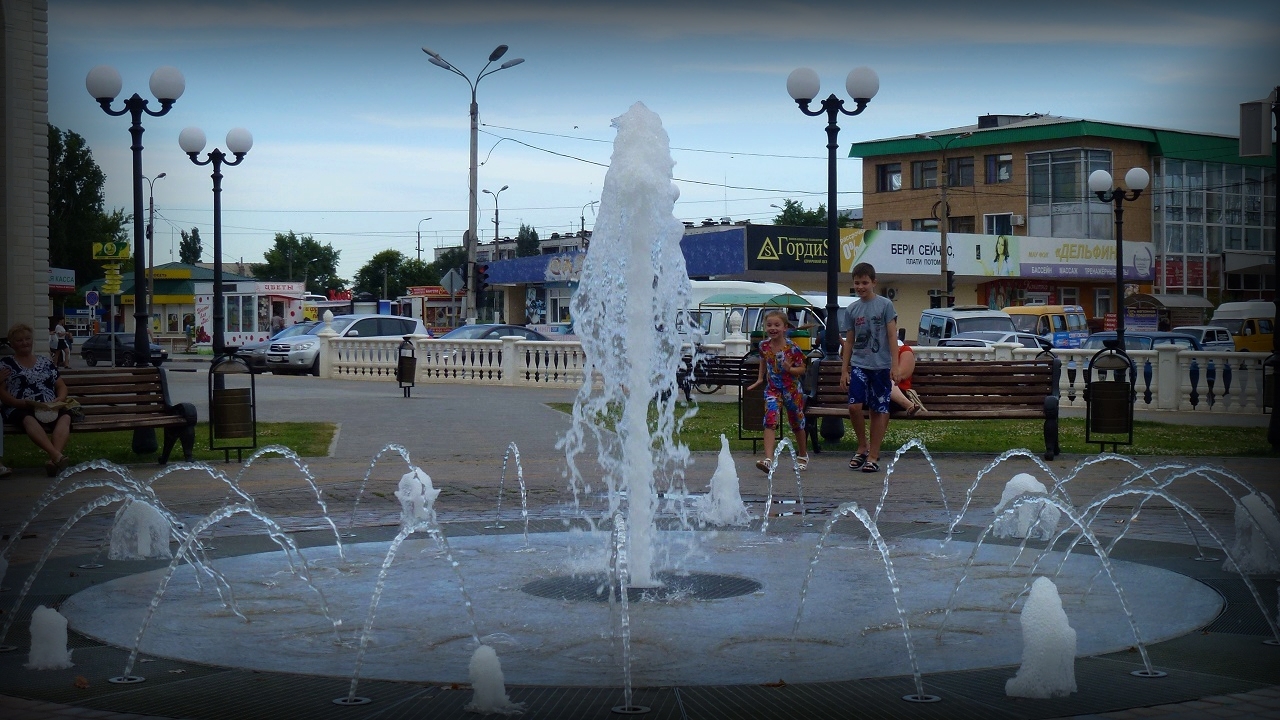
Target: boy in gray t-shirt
[868,364]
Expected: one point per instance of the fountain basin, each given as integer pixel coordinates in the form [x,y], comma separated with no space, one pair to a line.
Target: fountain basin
[849,628]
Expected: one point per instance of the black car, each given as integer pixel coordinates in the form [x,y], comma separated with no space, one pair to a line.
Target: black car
[98,348]
[492,332]
[1141,340]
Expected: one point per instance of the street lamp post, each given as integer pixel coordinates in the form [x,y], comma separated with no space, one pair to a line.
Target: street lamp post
[1100,184]
[582,223]
[495,215]
[167,85]
[306,272]
[239,141]
[944,180]
[420,237]
[151,237]
[472,211]
[803,85]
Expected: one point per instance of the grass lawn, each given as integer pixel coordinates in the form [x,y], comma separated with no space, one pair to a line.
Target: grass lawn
[308,439]
[703,430]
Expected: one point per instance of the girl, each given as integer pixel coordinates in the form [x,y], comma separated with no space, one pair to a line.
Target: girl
[782,365]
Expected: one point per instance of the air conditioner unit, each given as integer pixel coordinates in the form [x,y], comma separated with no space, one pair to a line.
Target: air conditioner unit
[1019,220]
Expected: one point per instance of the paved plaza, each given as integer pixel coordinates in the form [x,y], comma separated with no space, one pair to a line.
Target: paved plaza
[459,434]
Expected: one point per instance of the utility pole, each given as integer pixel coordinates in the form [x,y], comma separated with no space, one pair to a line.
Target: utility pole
[151,239]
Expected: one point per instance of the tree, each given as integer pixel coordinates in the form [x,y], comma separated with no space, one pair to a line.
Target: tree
[381,275]
[527,242]
[191,249]
[77,219]
[794,214]
[300,257]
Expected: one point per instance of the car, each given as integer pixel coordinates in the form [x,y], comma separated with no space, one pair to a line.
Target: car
[255,354]
[1141,340]
[988,338]
[301,353]
[492,332]
[98,349]
[1211,337]
[939,323]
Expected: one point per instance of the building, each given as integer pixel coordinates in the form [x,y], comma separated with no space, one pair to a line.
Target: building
[174,305]
[1208,213]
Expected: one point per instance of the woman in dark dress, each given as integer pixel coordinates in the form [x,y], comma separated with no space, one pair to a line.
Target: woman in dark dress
[27,380]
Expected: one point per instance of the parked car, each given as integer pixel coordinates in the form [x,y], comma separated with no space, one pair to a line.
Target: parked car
[1211,337]
[301,353]
[492,332]
[988,338]
[98,348]
[255,354]
[939,323]
[1142,340]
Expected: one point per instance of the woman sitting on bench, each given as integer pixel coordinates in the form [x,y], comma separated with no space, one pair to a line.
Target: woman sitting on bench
[26,382]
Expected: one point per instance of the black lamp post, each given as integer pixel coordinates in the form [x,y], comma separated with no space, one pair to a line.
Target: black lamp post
[239,141]
[472,210]
[803,85]
[1100,184]
[167,84]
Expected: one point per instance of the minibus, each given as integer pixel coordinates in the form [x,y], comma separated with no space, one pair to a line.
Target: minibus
[1063,325]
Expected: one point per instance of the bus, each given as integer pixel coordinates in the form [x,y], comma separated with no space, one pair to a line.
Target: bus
[1063,325]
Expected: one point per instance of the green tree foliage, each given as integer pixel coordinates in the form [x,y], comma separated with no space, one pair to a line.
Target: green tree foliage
[191,249]
[794,213]
[295,257]
[76,215]
[527,242]
[381,275]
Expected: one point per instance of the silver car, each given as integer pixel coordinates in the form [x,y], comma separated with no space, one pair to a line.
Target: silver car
[988,338]
[1211,337]
[301,353]
[255,354]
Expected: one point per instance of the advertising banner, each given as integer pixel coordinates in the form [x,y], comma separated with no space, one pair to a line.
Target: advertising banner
[780,248]
[919,253]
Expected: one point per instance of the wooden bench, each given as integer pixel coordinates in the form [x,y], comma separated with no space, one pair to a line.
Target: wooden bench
[128,398]
[955,390]
[712,372]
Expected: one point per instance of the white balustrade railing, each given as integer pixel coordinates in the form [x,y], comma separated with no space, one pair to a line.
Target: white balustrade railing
[506,361]
[1166,378]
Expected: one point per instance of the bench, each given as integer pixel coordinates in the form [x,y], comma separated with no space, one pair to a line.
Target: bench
[711,372]
[955,390]
[128,398]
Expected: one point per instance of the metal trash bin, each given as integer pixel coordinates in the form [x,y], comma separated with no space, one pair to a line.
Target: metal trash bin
[233,416]
[406,365]
[1109,403]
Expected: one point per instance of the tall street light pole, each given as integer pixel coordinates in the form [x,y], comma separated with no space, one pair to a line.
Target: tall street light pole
[862,84]
[239,141]
[420,237]
[472,211]
[495,214]
[944,180]
[167,85]
[582,222]
[151,237]
[1100,184]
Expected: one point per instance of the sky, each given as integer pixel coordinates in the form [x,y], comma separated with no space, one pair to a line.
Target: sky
[358,139]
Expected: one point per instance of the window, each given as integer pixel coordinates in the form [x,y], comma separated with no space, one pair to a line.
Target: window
[889,225]
[960,172]
[924,225]
[999,169]
[924,174]
[1101,301]
[1059,204]
[889,177]
[962,224]
[1069,295]
[998,224]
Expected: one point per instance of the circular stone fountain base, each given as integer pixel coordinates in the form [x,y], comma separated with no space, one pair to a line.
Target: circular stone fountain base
[672,587]
[849,628]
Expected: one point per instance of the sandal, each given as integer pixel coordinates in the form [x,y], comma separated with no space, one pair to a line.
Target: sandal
[802,462]
[858,461]
[870,466]
[5,471]
[765,465]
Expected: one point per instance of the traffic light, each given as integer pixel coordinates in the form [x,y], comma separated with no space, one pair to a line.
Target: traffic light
[482,277]
[951,288]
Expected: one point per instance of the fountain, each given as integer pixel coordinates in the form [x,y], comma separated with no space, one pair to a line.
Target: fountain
[630,592]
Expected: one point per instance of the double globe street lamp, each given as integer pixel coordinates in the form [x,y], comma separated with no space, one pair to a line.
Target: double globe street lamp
[167,84]
[862,84]
[1100,184]
[239,141]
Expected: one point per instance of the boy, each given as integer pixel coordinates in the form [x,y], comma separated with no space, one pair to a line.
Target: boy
[868,364]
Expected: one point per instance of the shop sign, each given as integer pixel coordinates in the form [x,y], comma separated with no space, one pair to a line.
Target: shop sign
[62,280]
[783,249]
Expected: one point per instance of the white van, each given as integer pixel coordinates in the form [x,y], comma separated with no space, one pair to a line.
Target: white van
[940,323]
[1252,323]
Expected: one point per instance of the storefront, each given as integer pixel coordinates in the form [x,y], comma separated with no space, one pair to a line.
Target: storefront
[249,309]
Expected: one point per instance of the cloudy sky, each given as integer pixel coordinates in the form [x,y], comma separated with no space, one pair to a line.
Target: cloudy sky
[358,138]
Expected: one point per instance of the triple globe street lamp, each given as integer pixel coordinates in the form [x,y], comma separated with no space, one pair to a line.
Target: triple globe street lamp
[472,211]
[239,141]
[803,85]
